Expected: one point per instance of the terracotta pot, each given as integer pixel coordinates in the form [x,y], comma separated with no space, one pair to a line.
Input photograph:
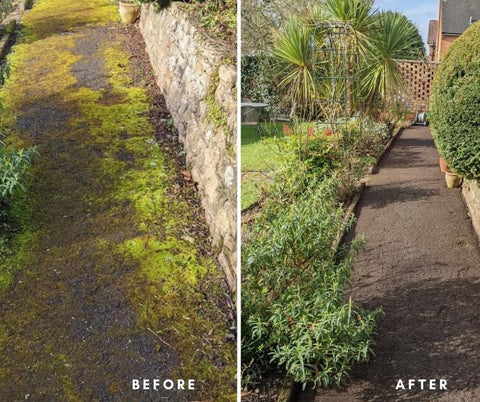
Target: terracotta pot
[129,12]
[452,180]
[443,165]
[410,117]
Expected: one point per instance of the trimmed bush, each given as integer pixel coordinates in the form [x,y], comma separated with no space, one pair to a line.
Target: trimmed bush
[455,105]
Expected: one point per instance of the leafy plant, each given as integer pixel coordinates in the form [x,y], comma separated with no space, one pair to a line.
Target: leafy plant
[455,102]
[365,57]
[157,4]
[4,71]
[257,80]
[297,67]
[294,314]
[14,166]
[393,37]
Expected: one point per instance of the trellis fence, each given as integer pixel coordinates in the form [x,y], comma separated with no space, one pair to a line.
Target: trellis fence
[418,78]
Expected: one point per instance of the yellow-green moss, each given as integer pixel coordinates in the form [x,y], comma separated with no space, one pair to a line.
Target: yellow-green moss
[62,366]
[54,17]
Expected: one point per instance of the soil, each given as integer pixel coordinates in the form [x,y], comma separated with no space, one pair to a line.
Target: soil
[85,316]
[421,263]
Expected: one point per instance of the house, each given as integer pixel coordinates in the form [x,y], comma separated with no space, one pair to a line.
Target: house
[454,17]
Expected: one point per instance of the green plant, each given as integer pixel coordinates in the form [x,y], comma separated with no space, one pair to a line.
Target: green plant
[10,29]
[294,314]
[157,4]
[367,50]
[219,13]
[455,102]
[296,66]
[257,81]
[4,71]
[14,166]
[366,136]
[393,37]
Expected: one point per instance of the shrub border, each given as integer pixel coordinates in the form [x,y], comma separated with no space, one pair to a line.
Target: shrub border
[290,387]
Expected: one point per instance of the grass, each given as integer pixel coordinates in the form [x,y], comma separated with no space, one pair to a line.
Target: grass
[261,156]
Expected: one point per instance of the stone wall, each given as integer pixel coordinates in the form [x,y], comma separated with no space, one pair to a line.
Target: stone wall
[200,92]
[471,195]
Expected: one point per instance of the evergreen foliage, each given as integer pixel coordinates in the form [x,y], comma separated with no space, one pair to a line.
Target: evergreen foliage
[455,102]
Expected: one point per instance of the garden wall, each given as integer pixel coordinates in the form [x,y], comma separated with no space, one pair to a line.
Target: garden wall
[471,195]
[200,92]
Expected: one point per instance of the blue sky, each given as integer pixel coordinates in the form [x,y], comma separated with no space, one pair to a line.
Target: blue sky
[418,11]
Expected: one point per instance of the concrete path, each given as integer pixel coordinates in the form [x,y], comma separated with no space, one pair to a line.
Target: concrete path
[421,263]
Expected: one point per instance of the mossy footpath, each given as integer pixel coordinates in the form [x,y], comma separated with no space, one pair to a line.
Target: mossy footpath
[108,282]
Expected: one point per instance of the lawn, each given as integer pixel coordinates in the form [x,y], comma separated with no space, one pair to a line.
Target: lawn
[261,157]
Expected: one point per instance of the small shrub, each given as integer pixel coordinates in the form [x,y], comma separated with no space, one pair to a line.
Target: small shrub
[366,137]
[14,166]
[322,154]
[157,4]
[294,314]
[257,80]
[455,103]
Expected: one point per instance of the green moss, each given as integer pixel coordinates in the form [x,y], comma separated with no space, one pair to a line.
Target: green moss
[171,305]
[46,19]
[10,263]
[171,262]
[63,366]
[215,113]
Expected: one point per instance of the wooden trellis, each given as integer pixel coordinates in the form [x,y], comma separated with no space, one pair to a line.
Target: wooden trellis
[418,78]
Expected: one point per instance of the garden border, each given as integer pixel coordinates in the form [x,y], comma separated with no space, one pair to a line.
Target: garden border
[290,387]
[14,15]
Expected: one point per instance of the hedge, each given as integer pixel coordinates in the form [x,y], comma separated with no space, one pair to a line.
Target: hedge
[455,105]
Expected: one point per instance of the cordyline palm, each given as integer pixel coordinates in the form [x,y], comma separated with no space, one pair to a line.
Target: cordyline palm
[297,63]
[359,14]
[392,38]
[360,19]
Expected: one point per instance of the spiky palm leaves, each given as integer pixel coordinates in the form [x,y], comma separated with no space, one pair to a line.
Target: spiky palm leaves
[391,39]
[297,63]
[372,43]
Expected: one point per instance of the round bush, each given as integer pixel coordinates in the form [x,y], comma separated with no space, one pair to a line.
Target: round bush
[455,105]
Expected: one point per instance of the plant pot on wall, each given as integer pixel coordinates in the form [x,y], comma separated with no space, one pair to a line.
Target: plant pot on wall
[129,11]
[452,179]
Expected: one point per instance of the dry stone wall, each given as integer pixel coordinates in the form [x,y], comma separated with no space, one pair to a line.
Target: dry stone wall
[200,92]
[471,195]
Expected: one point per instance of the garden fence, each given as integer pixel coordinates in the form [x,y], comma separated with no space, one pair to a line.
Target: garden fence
[418,78]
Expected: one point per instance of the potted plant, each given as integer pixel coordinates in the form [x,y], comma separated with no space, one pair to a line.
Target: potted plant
[129,11]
